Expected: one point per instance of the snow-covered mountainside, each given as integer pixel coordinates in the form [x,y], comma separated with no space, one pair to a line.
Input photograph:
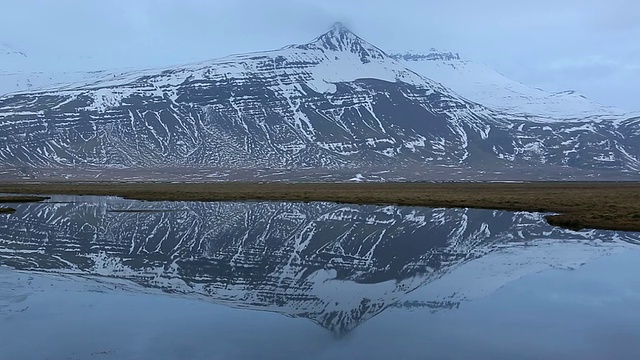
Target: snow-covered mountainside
[20,81]
[484,85]
[18,73]
[335,264]
[337,102]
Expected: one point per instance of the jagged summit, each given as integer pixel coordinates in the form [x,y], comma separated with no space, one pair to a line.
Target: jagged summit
[432,55]
[340,39]
[338,27]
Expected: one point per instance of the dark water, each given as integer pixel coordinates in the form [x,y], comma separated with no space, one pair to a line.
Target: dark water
[105,278]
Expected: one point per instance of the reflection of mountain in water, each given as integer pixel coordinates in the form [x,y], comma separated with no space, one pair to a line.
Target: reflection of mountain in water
[338,265]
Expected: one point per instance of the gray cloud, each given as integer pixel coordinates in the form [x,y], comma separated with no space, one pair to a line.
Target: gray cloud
[540,43]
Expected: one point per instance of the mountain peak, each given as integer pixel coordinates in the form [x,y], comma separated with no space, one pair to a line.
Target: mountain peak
[340,29]
[340,39]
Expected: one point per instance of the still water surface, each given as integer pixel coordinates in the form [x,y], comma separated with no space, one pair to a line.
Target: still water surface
[106,278]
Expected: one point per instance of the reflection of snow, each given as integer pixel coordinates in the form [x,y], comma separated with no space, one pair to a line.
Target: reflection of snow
[338,265]
[484,275]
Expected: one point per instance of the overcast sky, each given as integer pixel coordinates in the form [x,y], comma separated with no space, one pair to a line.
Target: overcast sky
[590,46]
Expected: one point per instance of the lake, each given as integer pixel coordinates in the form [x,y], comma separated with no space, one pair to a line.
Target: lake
[86,277]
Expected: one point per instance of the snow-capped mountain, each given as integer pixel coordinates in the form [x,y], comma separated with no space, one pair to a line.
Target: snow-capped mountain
[335,264]
[337,102]
[484,85]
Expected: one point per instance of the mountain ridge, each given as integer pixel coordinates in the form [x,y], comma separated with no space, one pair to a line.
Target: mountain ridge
[479,83]
[336,102]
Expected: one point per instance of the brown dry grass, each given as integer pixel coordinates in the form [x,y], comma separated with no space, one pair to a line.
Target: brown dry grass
[613,206]
[21,199]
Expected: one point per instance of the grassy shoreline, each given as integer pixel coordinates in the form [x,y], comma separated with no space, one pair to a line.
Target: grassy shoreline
[610,206]
[21,199]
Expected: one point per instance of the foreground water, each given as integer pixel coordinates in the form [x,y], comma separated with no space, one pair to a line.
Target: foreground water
[100,277]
